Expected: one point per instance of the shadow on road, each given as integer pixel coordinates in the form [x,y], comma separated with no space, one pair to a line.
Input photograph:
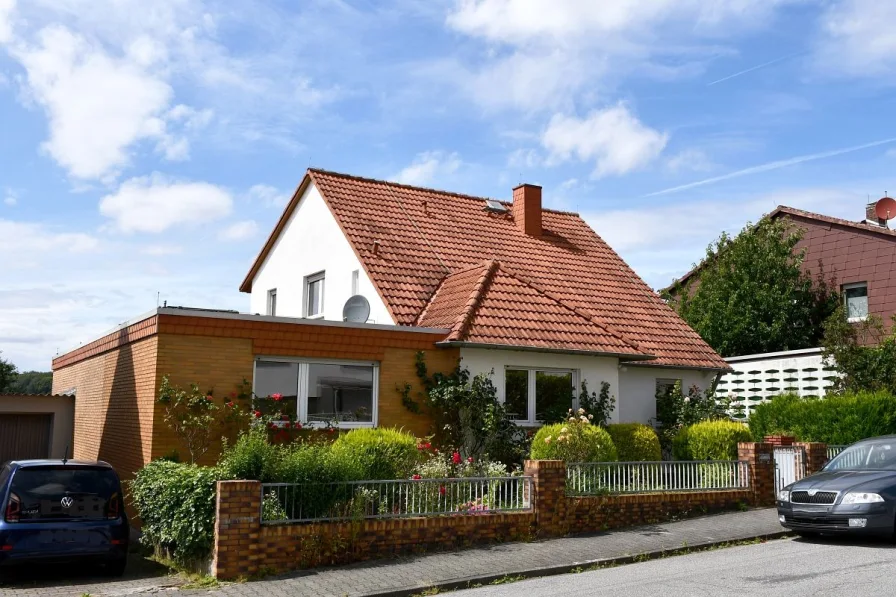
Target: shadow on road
[32,577]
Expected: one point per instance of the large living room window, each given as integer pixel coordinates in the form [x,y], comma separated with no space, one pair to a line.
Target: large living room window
[856,298]
[318,391]
[532,396]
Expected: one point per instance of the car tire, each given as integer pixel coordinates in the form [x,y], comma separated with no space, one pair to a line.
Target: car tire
[115,567]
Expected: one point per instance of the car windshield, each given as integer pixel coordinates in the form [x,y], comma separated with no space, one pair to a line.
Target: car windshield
[877,455]
[53,493]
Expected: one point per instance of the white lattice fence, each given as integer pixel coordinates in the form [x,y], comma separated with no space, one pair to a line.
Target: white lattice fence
[758,377]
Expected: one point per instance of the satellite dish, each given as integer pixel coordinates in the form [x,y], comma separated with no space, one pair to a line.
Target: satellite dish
[885,208]
[357,309]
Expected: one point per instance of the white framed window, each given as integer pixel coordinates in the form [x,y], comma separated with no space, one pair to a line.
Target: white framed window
[318,390]
[355,275]
[314,295]
[855,297]
[665,385]
[272,301]
[533,394]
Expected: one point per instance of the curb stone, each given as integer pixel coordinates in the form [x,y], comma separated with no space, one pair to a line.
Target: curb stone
[465,582]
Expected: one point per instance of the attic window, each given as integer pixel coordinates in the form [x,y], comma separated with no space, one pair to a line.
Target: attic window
[494,205]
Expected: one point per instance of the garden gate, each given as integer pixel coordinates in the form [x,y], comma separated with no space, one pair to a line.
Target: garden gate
[790,465]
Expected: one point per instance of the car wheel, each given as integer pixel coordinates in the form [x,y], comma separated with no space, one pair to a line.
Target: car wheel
[115,567]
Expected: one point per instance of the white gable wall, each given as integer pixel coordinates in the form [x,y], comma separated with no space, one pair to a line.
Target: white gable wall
[637,389]
[311,242]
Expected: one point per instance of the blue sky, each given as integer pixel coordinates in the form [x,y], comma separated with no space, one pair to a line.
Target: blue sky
[148,148]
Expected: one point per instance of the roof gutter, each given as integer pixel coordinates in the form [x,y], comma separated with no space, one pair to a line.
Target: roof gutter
[590,353]
[684,367]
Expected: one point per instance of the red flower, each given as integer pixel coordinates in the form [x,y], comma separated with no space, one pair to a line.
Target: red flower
[470,459]
[442,489]
[257,414]
[331,430]
[427,446]
[229,405]
[455,458]
[420,446]
[284,417]
[297,425]
[272,425]
[416,477]
[277,397]
[209,398]
[233,394]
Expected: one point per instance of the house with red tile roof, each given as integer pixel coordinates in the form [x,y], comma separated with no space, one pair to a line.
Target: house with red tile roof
[532,296]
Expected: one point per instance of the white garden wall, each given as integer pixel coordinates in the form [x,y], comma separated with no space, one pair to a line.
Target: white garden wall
[311,242]
[758,377]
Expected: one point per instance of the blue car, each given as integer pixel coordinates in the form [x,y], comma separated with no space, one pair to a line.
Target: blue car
[57,511]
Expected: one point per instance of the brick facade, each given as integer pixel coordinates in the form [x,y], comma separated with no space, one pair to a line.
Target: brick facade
[816,455]
[116,378]
[761,459]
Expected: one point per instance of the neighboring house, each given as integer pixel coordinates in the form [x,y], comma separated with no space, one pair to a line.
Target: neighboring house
[523,289]
[859,256]
[532,297]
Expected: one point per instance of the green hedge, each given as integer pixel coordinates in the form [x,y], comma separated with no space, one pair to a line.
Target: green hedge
[635,442]
[834,420]
[176,503]
[710,440]
[573,442]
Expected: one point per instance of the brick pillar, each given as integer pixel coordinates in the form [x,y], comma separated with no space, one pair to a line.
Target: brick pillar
[816,455]
[549,486]
[762,471]
[237,529]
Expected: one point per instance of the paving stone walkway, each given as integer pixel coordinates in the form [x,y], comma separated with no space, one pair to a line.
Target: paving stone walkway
[413,574]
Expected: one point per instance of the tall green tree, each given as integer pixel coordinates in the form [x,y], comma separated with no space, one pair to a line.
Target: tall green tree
[7,375]
[752,294]
[32,382]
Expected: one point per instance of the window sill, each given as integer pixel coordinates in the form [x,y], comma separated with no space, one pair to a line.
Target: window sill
[318,316]
[321,426]
[856,319]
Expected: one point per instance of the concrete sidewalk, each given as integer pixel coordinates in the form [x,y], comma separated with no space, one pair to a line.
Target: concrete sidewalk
[456,569]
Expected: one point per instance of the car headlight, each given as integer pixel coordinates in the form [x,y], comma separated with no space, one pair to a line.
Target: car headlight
[784,495]
[862,498]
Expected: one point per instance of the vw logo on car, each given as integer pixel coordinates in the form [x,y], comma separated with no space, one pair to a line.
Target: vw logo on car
[66,502]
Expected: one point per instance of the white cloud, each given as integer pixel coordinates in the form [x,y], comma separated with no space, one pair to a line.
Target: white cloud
[10,197]
[154,204]
[428,167]
[693,160]
[268,195]
[613,137]
[858,39]
[239,231]
[6,10]
[524,158]
[161,250]
[21,240]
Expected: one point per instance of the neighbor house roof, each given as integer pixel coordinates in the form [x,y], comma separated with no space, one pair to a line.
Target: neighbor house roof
[783,211]
[413,242]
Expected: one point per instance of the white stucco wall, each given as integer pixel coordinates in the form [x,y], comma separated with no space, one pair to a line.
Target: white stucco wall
[312,241]
[638,389]
[593,370]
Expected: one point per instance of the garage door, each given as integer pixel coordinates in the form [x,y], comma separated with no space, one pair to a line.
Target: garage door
[24,436]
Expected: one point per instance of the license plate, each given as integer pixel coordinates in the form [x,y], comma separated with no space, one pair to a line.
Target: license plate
[64,537]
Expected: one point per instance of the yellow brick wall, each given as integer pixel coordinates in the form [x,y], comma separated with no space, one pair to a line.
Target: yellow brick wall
[396,369]
[114,404]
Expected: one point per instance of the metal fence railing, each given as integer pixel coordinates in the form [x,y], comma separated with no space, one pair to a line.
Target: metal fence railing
[598,478]
[355,500]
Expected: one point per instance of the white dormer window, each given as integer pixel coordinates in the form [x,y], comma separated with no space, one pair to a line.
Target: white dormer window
[856,299]
[314,295]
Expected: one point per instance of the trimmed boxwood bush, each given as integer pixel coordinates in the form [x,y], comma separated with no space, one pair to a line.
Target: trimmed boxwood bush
[176,503]
[573,442]
[380,453]
[710,440]
[635,442]
[834,420]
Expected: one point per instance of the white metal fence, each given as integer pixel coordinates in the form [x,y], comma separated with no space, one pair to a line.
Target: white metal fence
[597,478]
[834,450]
[756,378]
[790,465]
[306,502]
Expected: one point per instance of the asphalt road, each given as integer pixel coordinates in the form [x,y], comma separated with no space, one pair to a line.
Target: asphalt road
[791,567]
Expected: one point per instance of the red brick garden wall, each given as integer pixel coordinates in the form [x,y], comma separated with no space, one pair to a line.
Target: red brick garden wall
[244,547]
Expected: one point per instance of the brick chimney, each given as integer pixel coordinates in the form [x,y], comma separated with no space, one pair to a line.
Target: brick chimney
[527,208]
[871,215]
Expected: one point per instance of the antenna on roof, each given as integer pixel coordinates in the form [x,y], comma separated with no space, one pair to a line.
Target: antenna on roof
[65,455]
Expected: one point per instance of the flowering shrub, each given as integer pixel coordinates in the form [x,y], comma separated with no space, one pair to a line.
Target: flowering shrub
[576,440]
[438,465]
[197,418]
[676,410]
